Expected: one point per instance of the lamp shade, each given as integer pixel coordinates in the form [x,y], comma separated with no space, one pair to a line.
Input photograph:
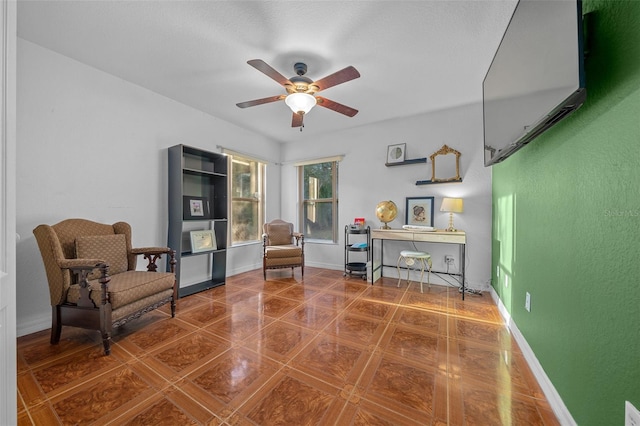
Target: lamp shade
[300,102]
[452,205]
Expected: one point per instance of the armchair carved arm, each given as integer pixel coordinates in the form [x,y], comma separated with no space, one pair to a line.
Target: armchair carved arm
[152,254]
[299,238]
[83,268]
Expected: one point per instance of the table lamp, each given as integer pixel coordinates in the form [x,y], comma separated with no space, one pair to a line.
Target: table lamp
[452,205]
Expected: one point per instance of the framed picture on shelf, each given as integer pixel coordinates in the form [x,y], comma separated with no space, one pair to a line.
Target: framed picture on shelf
[195,207]
[204,240]
[419,211]
[395,153]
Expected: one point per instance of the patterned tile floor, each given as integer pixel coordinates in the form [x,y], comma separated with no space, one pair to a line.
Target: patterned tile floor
[323,350]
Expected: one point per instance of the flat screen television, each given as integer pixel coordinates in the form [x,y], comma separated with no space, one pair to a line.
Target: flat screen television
[536,77]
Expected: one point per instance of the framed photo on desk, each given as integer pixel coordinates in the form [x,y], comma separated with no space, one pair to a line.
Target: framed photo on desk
[419,211]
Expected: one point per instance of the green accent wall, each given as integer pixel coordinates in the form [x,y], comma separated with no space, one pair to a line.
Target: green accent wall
[566,229]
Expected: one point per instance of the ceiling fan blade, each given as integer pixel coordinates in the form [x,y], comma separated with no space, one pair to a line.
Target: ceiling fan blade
[261,101]
[296,121]
[338,77]
[335,106]
[266,69]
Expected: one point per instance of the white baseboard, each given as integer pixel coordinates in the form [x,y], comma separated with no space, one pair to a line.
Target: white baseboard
[324,265]
[33,324]
[248,268]
[555,401]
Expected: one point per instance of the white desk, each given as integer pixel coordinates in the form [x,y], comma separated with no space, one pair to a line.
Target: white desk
[439,237]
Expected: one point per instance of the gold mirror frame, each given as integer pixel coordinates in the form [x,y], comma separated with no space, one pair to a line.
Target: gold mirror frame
[445,150]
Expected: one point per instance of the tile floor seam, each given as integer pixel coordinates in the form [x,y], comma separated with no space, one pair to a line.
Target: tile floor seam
[195,401]
[281,365]
[49,396]
[354,387]
[58,357]
[132,409]
[27,409]
[248,398]
[164,343]
[69,392]
[373,353]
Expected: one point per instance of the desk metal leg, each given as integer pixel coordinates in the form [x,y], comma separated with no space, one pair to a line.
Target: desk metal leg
[373,259]
[463,261]
[374,269]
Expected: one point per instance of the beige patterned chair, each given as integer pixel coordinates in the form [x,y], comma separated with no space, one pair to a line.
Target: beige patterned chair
[93,282]
[280,251]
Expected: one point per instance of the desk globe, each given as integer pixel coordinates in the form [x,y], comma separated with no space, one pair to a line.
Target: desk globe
[386,211]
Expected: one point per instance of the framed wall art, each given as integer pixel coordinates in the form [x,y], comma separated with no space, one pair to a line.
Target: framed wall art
[396,153]
[204,240]
[195,207]
[419,211]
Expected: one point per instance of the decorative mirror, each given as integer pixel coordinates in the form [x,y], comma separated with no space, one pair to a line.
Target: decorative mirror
[445,165]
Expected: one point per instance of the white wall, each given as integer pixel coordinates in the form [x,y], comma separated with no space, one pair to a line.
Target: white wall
[94,146]
[364,180]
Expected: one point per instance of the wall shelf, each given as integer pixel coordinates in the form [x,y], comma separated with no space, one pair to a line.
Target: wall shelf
[407,162]
[430,182]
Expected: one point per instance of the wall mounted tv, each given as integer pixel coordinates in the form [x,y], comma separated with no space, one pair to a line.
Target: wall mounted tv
[536,77]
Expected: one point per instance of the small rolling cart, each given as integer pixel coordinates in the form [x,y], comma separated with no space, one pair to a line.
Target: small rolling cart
[357,245]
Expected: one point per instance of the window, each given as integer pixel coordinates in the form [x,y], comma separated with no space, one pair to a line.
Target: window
[318,184]
[247,199]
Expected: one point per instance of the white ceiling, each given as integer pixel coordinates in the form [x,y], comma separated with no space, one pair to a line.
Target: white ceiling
[413,56]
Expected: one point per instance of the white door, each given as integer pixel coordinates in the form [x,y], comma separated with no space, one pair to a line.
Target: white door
[8,404]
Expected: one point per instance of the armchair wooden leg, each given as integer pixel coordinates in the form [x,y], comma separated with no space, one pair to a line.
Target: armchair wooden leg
[106,324]
[106,342]
[56,325]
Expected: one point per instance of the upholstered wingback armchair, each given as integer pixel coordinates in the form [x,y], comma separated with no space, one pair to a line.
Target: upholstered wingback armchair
[280,250]
[93,282]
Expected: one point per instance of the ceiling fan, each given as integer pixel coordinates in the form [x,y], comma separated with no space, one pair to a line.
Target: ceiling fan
[301,90]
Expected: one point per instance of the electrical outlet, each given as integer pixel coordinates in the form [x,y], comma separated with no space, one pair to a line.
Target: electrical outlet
[631,415]
[527,304]
[448,259]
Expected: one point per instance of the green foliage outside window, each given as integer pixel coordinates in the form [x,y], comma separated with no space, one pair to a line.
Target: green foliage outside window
[319,205]
[246,202]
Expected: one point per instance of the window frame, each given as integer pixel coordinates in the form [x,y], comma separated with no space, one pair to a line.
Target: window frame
[334,200]
[260,186]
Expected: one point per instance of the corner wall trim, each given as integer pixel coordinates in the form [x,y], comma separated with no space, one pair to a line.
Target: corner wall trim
[555,401]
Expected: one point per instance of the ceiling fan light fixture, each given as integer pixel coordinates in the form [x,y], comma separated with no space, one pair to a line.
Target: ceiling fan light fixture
[300,102]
